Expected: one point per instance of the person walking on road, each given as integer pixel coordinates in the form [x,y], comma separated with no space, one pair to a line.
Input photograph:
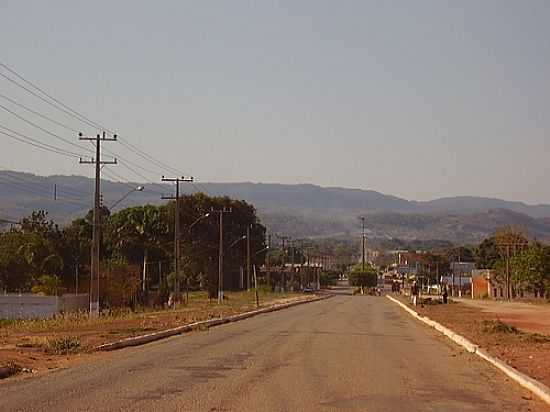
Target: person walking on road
[414,293]
[445,293]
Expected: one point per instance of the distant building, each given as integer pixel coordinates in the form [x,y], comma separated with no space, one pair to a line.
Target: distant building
[481,284]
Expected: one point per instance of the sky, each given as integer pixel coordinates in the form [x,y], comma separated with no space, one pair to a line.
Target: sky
[418,99]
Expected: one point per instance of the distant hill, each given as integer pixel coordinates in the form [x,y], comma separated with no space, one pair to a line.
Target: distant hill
[302,210]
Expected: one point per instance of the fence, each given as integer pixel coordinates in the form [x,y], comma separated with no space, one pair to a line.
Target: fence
[30,306]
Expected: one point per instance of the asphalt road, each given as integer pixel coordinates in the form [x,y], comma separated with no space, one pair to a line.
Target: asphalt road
[348,353]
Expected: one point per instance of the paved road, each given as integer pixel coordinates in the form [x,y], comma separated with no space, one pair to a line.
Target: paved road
[348,353]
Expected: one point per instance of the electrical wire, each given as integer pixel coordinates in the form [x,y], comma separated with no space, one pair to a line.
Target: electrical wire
[42,146]
[82,118]
[43,194]
[60,188]
[64,108]
[63,125]
[44,130]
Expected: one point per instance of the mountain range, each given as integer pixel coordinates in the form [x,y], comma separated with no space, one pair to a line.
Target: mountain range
[301,210]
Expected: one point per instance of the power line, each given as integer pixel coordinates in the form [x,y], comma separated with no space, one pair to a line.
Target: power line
[79,116]
[45,130]
[31,183]
[59,105]
[12,101]
[64,108]
[70,192]
[43,194]
[39,145]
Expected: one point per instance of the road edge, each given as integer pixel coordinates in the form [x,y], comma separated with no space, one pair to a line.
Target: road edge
[536,387]
[151,337]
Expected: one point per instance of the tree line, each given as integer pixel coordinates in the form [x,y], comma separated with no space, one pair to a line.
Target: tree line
[137,249]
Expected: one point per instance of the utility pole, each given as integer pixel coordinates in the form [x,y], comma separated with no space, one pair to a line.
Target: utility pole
[96,236]
[292,270]
[248,257]
[177,181]
[363,242]
[220,213]
[507,244]
[284,239]
[363,249]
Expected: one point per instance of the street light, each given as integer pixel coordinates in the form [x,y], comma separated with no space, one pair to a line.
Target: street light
[206,215]
[198,220]
[243,237]
[256,278]
[261,250]
[136,189]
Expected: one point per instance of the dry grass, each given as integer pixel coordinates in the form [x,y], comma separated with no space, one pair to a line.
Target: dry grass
[49,343]
[199,307]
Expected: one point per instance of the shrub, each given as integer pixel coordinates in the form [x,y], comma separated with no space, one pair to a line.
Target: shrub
[63,345]
[497,326]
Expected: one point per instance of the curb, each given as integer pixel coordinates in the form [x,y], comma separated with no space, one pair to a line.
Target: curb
[151,337]
[536,387]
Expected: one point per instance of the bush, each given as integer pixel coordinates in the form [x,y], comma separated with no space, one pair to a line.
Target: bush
[365,279]
[497,326]
[48,285]
[328,278]
[63,345]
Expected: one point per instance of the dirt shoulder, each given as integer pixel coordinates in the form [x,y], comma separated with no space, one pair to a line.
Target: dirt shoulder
[526,351]
[36,346]
[529,317]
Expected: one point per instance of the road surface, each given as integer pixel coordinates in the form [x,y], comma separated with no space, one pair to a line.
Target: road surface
[347,353]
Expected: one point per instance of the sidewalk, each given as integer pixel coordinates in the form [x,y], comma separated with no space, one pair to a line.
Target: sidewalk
[528,317]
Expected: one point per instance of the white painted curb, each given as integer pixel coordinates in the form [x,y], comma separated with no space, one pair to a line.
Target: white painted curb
[150,337]
[538,388]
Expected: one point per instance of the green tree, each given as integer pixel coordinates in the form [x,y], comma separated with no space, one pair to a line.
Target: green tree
[530,269]
[366,278]
[487,253]
[136,232]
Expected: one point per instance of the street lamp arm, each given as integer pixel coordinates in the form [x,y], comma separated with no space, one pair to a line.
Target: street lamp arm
[198,220]
[261,250]
[236,241]
[136,189]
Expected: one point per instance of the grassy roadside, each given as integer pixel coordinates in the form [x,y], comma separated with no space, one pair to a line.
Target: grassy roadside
[525,351]
[38,345]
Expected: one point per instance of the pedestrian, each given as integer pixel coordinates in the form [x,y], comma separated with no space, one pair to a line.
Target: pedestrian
[414,293]
[445,293]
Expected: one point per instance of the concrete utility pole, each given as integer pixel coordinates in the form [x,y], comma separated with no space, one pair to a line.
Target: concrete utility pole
[96,236]
[363,242]
[507,245]
[248,257]
[284,239]
[268,261]
[220,212]
[177,248]
[363,248]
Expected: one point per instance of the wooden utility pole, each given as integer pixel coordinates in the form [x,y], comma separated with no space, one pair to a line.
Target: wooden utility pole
[177,237]
[96,236]
[220,213]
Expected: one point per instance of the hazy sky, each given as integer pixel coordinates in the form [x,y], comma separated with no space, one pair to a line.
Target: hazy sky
[419,99]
